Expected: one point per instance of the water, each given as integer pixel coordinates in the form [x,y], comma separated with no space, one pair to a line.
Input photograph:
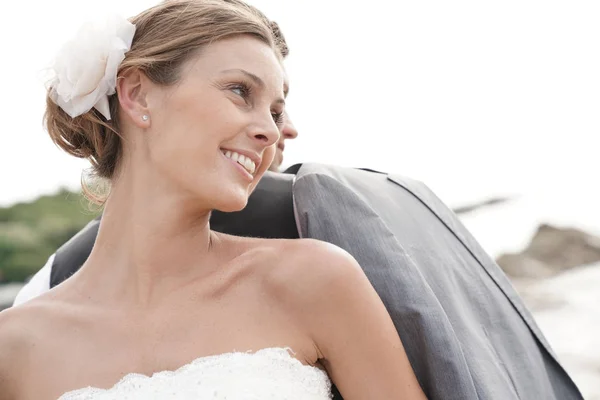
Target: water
[567,309]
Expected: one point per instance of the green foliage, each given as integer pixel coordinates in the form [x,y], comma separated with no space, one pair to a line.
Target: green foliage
[31,232]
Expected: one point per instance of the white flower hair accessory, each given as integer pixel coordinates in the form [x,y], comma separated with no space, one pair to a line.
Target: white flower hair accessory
[85,69]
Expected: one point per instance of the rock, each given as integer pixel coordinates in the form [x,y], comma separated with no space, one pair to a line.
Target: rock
[523,266]
[551,251]
[564,248]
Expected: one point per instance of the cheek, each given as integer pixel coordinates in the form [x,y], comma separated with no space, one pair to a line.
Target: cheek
[267,159]
[183,148]
[191,128]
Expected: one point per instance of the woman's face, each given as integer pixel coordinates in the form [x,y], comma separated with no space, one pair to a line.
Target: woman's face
[214,133]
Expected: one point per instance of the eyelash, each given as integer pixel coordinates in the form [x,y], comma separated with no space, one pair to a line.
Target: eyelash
[246,92]
[244,88]
[278,118]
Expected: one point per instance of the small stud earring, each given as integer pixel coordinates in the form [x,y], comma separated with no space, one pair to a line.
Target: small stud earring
[145,117]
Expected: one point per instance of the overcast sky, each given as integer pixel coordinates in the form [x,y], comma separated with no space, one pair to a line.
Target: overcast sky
[475,98]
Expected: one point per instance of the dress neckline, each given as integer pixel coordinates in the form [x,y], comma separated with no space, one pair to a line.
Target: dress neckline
[279,353]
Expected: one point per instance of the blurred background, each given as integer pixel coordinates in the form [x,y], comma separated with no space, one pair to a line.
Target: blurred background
[495,105]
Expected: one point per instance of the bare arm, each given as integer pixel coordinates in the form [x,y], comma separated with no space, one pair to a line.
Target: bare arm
[355,336]
[9,349]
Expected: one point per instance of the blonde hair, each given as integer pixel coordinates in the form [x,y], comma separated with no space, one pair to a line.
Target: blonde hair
[167,35]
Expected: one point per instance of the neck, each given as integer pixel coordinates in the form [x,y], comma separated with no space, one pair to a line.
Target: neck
[150,242]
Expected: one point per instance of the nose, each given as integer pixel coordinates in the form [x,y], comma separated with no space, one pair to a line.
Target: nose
[265,131]
[288,131]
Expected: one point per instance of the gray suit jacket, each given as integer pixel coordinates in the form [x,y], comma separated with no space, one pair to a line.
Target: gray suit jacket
[467,333]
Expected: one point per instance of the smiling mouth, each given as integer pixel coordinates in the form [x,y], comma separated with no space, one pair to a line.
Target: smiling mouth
[241,159]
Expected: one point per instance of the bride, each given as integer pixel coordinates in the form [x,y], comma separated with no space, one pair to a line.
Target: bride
[180,110]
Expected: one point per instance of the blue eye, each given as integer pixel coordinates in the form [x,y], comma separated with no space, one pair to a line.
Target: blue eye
[241,89]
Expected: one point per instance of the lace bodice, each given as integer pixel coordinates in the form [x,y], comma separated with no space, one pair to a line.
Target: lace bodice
[266,374]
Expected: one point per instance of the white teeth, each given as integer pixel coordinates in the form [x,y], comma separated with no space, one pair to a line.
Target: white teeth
[249,165]
[244,161]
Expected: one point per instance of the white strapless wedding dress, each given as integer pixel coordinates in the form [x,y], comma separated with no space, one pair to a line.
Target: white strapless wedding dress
[266,374]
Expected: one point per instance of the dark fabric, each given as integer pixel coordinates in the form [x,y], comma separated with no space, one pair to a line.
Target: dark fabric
[71,255]
[269,213]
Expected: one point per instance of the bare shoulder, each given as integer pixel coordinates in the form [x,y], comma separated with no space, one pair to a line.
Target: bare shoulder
[9,349]
[318,261]
[309,279]
[308,271]
[19,327]
[27,336]
[327,294]
[14,324]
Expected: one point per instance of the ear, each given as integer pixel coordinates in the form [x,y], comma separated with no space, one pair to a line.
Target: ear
[132,90]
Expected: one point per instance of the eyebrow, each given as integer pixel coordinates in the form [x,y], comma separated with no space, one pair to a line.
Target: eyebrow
[255,79]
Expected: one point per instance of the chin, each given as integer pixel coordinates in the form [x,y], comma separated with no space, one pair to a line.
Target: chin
[232,201]
[229,208]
